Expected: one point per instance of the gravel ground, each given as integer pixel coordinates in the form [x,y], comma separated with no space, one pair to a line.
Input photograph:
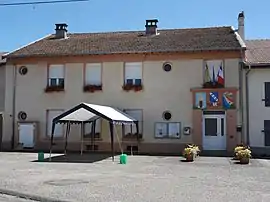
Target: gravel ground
[143,179]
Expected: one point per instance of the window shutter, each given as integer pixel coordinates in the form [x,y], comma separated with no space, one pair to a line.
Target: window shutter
[267,94]
[133,70]
[56,71]
[59,130]
[267,132]
[98,125]
[93,74]
[136,114]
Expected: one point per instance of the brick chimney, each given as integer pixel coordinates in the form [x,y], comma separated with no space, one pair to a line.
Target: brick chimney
[241,25]
[151,27]
[61,31]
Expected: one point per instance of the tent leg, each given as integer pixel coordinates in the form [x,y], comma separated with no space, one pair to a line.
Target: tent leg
[53,128]
[112,140]
[67,132]
[82,134]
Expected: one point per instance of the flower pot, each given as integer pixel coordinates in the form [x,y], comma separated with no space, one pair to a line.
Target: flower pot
[189,158]
[244,160]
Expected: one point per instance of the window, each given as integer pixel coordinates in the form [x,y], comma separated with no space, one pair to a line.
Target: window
[167,115]
[213,74]
[93,74]
[167,67]
[266,94]
[88,129]
[136,114]
[59,128]
[56,76]
[167,130]
[133,73]
[23,70]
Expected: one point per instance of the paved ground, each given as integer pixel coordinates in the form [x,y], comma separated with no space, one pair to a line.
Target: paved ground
[8,198]
[142,179]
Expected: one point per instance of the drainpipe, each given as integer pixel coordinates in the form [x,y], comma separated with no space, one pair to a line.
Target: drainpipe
[13,106]
[247,102]
[241,97]
[241,93]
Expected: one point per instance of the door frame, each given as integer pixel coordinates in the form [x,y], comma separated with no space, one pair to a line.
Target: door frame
[218,116]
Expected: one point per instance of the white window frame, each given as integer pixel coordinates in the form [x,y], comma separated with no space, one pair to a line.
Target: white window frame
[59,128]
[133,71]
[88,128]
[56,72]
[166,133]
[132,129]
[93,74]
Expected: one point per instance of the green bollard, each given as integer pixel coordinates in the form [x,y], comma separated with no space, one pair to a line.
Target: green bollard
[40,156]
[123,159]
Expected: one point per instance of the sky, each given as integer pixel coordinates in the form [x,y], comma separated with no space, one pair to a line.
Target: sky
[20,25]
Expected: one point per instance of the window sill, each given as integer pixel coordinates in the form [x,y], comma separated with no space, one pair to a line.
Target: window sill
[167,138]
[131,137]
[92,88]
[212,85]
[51,89]
[134,88]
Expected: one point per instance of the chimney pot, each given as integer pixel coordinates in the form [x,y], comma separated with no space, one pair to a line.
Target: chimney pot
[151,27]
[241,25]
[61,31]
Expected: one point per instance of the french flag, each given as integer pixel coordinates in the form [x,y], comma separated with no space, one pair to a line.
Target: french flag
[220,76]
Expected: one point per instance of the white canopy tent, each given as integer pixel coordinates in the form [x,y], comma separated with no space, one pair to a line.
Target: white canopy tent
[89,113]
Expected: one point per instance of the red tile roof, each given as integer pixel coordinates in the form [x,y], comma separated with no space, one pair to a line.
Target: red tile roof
[170,40]
[258,52]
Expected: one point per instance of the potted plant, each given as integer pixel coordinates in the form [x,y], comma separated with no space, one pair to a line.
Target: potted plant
[196,149]
[244,156]
[189,154]
[237,149]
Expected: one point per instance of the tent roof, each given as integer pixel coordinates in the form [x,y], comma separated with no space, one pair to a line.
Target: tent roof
[85,112]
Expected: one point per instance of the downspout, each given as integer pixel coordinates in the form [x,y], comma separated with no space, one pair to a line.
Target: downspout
[241,93]
[14,106]
[247,102]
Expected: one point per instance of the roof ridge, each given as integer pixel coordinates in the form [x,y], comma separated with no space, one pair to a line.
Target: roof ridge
[137,31]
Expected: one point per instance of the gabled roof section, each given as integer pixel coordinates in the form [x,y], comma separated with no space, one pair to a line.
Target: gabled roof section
[169,40]
[258,52]
[85,112]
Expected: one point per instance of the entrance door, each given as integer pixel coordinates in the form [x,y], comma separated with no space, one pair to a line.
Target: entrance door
[26,135]
[214,133]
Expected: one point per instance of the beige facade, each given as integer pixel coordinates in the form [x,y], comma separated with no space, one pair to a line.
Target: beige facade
[161,91]
[2,87]
[258,112]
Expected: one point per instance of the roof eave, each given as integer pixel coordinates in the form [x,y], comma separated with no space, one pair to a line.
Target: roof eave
[257,65]
[12,52]
[239,39]
[10,56]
